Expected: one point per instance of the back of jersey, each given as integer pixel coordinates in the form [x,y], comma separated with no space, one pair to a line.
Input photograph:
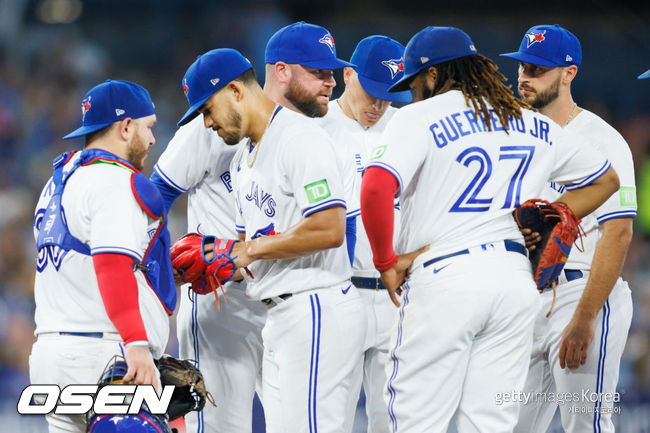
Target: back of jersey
[459,182]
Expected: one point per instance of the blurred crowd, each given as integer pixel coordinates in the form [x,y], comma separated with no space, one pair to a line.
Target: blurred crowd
[43,78]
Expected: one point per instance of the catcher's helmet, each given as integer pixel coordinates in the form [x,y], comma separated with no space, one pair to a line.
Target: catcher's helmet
[143,422]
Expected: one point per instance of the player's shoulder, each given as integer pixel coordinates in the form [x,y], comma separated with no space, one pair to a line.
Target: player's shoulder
[596,130]
[292,124]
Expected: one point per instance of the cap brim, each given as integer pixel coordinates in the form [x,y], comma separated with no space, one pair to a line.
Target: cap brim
[405,82]
[379,90]
[646,74]
[192,112]
[528,58]
[84,130]
[327,64]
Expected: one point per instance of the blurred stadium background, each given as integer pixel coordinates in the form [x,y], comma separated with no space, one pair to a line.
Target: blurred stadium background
[53,51]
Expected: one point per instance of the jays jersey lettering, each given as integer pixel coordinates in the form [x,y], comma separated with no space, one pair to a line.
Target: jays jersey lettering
[295,174]
[475,171]
[102,212]
[621,204]
[351,138]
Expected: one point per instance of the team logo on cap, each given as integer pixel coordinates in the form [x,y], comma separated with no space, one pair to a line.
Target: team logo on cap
[185,88]
[85,106]
[395,66]
[329,41]
[533,37]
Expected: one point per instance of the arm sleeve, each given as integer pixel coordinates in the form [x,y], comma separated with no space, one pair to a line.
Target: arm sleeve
[351,236]
[169,192]
[577,163]
[119,291]
[377,208]
[402,149]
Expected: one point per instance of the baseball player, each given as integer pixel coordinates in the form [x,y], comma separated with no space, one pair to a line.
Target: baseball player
[460,160]
[578,348]
[104,283]
[355,122]
[227,344]
[292,223]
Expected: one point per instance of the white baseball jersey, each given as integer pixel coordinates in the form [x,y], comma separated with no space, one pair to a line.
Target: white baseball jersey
[466,181]
[197,161]
[291,173]
[355,141]
[610,143]
[102,212]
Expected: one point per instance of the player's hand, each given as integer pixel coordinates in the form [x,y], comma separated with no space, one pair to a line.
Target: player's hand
[531,238]
[394,277]
[576,340]
[178,278]
[141,369]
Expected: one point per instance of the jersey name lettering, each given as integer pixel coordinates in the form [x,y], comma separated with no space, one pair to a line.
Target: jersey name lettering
[225,178]
[261,199]
[460,124]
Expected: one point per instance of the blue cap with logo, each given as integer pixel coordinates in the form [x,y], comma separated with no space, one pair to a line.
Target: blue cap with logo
[209,73]
[645,75]
[112,101]
[379,65]
[432,46]
[306,44]
[547,45]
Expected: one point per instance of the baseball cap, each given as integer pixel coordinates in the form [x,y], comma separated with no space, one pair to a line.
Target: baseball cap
[112,101]
[646,74]
[379,65]
[306,44]
[547,45]
[431,46]
[210,72]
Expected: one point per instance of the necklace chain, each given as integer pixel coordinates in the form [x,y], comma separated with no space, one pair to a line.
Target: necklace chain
[575,107]
[257,146]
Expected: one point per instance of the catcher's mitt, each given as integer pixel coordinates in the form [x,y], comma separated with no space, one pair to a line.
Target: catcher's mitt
[558,228]
[189,392]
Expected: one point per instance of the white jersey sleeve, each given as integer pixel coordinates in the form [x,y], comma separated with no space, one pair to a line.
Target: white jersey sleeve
[312,179]
[402,148]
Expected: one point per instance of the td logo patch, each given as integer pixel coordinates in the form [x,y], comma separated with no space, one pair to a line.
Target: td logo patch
[627,196]
[317,191]
[378,151]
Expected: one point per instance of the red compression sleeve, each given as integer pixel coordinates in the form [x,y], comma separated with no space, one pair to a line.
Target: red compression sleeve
[119,290]
[377,212]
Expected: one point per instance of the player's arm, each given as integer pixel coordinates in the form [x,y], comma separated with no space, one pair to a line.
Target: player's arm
[318,231]
[587,199]
[119,290]
[606,267]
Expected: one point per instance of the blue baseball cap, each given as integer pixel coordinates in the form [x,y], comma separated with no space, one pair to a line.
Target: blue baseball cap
[379,65]
[209,73]
[306,44]
[646,74]
[431,46]
[112,101]
[547,45]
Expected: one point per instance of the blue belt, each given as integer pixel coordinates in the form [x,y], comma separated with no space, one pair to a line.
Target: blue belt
[84,334]
[510,246]
[367,283]
[573,274]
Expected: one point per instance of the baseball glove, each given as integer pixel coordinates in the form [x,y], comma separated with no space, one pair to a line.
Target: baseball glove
[187,257]
[558,228]
[189,392]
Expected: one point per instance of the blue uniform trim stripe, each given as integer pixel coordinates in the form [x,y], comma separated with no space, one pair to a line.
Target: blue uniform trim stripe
[195,342]
[617,214]
[313,367]
[119,250]
[322,206]
[393,357]
[167,179]
[240,229]
[392,171]
[601,365]
[354,213]
[591,178]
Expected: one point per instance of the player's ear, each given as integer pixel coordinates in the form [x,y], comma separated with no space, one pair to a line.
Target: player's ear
[282,72]
[431,75]
[347,75]
[569,74]
[126,128]
[237,89]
